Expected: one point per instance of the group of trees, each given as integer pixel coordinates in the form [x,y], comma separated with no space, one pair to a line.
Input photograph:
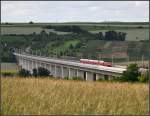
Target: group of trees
[132,74]
[40,71]
[69,28]
[112,36]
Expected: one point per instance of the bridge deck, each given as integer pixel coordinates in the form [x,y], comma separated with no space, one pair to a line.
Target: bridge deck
[72,63]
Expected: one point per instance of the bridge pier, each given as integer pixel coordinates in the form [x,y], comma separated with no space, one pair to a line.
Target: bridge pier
[50,68]
[77,72]
[53,70]
[58,71]
[81,74]
[89,76]
[69,73]
[55,75]
[62,71]
[72,73]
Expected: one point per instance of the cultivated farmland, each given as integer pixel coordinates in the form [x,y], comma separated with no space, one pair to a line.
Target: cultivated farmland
[27,30]
[135,31]
[132,34]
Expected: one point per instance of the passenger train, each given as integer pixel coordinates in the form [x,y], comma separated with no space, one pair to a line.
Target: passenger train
[96,62]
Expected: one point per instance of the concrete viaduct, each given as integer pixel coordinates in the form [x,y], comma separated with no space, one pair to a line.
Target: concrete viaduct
[60,68]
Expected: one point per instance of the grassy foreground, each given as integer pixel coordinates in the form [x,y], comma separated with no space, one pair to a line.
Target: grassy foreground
[45,96]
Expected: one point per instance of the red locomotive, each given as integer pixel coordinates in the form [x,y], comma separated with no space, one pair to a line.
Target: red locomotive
[95,62]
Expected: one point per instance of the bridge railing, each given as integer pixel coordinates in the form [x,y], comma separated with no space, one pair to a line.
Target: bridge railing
[24,52]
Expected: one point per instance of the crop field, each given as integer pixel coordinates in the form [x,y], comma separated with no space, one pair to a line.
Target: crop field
[132,34]
[9,67]
[24,96]
[135,31]
[27,30]
[130,24]
[63,46]
[140,63]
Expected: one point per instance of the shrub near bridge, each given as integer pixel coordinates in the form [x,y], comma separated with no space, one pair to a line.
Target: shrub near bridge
[144,77]
[43,72]
[24,73]
[131,74]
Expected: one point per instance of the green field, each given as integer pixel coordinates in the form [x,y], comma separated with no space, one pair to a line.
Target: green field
[9,67]
[64,46]
[27,30]
[135,31]
[132,34]
[31,96]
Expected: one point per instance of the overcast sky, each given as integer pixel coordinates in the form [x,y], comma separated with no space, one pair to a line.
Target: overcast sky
[71,11]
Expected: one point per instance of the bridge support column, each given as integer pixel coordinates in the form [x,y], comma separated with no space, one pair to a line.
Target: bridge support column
[69,74]
[44,65]
[28,65]
[62,71]
[81,74]
[23,63]
[32,66]
[77,73]
[89,76]
[36,65]
[72,73]
[55,72]
[23,66]
[50,69]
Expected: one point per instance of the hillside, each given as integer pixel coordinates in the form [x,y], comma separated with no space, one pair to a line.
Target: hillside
[119,49]
[44,96]
[84,40]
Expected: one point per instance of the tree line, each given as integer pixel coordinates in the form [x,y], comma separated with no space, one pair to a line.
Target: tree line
[112,36]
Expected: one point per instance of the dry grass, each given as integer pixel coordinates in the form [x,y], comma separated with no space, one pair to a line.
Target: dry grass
[45,96]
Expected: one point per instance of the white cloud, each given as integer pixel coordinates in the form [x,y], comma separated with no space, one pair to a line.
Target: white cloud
[50,11]
[93,8]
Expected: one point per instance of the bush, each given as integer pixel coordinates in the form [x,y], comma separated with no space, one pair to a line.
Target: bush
[77,78]
[24,73]
[30,22]
[66,78]
[35,72]
[144,77]
[131,74]
[41,72]
[100,79]
[8,74]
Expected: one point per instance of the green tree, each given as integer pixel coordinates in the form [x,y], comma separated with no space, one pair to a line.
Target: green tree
[43,72]
[35,72]
[24,73]
[131,74]
[31,22]
[71,46]
[101,36]
[144,77]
